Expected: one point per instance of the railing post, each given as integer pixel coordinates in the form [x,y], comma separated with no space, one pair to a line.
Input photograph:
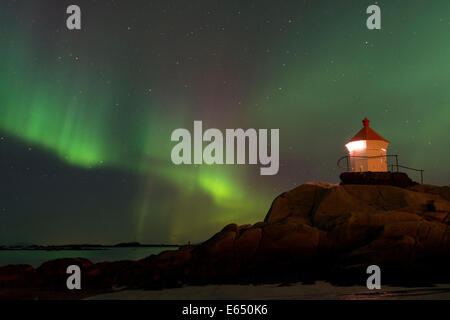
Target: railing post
[396,161]
[348,167]
[421,176]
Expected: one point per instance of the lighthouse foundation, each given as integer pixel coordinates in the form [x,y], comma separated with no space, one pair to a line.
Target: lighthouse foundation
[398,179]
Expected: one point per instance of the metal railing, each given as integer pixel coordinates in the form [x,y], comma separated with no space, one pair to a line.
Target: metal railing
[404,167]
[389,158]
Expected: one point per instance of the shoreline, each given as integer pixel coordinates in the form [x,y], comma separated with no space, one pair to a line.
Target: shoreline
[320,290]
[84,247]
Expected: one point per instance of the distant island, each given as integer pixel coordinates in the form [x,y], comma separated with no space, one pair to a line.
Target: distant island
[85,246]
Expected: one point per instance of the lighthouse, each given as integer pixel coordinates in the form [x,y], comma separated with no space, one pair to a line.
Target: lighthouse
[367,150]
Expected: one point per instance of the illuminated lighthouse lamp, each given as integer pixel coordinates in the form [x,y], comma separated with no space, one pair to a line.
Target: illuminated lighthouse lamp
[367,150]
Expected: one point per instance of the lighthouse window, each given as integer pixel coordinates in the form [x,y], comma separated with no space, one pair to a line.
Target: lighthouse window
[356,145]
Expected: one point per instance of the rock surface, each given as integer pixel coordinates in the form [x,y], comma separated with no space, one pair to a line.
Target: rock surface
[317,231]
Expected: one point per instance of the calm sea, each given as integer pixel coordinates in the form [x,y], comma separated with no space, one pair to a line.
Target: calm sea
[36,257]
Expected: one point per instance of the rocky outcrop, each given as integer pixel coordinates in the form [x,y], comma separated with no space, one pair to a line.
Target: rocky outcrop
[315,231]
[320,230]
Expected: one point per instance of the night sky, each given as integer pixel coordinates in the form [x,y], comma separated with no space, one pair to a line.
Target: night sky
[86,116]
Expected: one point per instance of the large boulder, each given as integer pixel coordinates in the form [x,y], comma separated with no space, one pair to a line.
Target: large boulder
[18,276]
[299,202]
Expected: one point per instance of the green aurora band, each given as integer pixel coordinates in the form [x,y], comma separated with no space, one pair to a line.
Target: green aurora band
[315,80]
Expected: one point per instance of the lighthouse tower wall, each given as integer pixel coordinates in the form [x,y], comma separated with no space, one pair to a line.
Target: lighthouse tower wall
[376,153]
[371,156]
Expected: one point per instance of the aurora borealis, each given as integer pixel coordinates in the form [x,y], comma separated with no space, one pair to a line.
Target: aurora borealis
[86,116]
